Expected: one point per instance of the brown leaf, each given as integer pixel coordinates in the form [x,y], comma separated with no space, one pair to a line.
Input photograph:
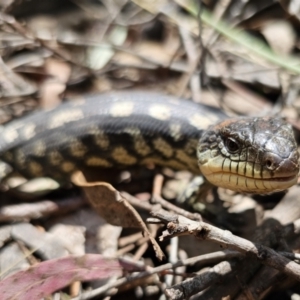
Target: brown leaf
[58,75]
[113,207]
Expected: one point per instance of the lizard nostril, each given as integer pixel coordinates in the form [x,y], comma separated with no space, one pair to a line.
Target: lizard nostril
[269,164]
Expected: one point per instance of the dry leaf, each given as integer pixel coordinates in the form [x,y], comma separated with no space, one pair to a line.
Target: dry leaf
[113,207]
[43,279]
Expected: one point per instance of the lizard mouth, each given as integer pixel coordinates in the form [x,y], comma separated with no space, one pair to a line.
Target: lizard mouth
[241,183]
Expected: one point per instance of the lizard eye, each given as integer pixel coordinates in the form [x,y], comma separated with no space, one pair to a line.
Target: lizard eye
[232,145]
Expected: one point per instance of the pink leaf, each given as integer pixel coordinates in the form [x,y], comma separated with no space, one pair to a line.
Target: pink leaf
[47,277]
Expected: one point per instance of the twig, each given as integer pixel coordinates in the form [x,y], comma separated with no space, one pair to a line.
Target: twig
[204,259]
[205,231]
[192,286]
[171,207]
